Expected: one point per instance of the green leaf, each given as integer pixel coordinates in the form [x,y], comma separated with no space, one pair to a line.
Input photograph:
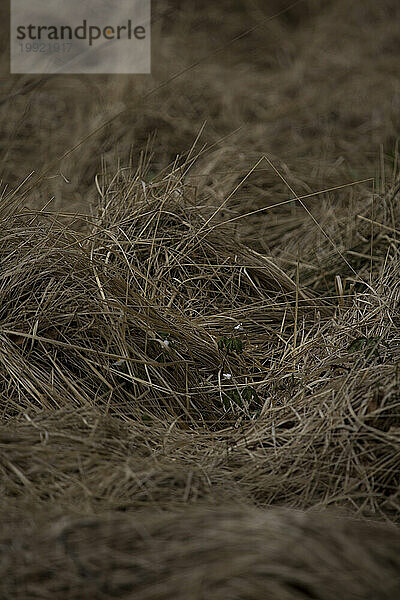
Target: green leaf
[370,346]
[238,397]
[357,345]
[231,344]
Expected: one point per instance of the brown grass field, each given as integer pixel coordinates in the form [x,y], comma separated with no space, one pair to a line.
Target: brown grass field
[199,312]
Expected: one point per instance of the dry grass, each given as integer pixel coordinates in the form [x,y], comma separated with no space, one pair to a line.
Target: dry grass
[208,341]
[230,552]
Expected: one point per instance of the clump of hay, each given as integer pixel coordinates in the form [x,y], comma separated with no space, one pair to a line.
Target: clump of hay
[155,371]
[159,318]
[229,552]
[145,315]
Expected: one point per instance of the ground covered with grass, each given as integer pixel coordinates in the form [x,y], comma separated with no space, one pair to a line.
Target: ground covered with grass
[199,313]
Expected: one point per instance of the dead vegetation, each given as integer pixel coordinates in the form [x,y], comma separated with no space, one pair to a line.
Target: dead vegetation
[218,553]
[210,341]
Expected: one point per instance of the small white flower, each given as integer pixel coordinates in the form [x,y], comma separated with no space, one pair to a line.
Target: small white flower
[119,363]
[226,375]
[164,343]
[239,327]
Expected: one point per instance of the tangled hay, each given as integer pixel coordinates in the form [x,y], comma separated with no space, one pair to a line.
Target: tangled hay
[143,315]
[155,364]
[199,383]
[160,319]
